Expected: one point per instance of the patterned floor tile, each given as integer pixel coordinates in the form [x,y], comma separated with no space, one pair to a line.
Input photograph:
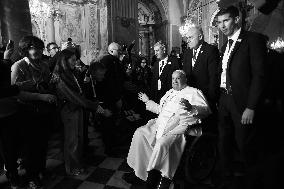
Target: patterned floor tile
[91,185]
[96,142]
[88,171]
[69,183]
[53,163]
[116,180]
[94,160]
[52,182]
[138,187]
[112,187]
[100,175]
[125,167]
[93,135]
[111,163]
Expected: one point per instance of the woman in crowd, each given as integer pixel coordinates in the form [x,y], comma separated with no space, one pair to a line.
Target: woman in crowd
[72,104]
[143,73]
[31,74]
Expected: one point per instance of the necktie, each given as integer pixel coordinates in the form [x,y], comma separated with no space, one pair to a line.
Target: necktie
[193,57]
[228,83]
[230,43]
[161,67]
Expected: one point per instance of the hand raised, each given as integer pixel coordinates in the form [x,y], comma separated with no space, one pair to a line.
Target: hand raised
[143,97]
[247,117]
[9,50]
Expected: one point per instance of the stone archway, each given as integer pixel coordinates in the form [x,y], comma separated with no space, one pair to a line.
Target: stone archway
[152,25]
[205,12]
[35,29]
[213,30]
[145,31]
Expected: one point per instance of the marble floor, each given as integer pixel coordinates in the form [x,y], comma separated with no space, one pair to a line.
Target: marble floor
[102,171]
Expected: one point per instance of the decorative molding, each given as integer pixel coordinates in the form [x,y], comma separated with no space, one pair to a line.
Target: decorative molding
[145,15]
[93,30]
[104,26]
[165,5]
[155,9]
[78,2]
[71,23]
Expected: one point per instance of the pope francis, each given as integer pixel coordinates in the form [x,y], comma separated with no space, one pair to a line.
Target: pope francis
[157,147]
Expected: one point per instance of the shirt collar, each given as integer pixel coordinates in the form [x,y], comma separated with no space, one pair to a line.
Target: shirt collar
[27,60]
[236,35]
[165,59]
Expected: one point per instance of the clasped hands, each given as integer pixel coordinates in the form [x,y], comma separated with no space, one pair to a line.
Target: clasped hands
[185,104]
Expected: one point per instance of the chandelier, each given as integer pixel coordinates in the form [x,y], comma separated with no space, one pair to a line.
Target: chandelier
[277,44]
[42,9]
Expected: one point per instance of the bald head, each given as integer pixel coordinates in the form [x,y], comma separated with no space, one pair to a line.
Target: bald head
[114,49]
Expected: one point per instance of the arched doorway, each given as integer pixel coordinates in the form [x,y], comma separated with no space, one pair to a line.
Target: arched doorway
[146,34]
[213,29]
[151,27]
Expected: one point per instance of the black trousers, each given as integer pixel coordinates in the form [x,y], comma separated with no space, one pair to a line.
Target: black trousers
[10,135]
[235,139]
[36,135]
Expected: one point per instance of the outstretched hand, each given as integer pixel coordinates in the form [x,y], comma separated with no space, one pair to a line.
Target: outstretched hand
[143,97]
[185,103]
[9,50]
[247,117]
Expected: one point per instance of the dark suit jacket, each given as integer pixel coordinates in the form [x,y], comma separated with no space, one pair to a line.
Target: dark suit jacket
[246,69]
[204,75]
[112,85]
[165,77]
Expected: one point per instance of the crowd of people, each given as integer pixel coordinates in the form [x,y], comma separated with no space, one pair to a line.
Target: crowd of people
[224,89]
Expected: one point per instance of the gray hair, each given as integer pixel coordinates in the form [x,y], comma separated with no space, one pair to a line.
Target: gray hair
[112,45]
[160,44]
[181,72]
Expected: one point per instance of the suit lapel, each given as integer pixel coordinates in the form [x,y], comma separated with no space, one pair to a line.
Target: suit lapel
[188,64]
[165,68]
[236,47]
[199,57]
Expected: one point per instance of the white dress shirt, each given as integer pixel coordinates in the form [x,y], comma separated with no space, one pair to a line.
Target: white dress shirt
[226,56]
[162,64]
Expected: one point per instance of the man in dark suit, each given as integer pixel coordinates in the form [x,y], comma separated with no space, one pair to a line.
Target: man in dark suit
[163,69]
[200,63]
[242,86]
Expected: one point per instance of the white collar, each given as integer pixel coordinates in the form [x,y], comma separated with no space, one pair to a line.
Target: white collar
[198,49]
[236,35]
[27,60]
[164,60]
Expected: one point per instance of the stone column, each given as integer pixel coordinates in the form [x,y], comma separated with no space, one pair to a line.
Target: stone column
[50,29]
[15,20]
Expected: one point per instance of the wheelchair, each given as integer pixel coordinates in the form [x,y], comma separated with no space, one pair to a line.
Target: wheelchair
[199,156]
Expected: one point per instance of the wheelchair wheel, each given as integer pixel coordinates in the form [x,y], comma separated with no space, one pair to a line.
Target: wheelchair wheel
[201,159]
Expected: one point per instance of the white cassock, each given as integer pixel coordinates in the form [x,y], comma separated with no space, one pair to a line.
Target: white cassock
[160,143]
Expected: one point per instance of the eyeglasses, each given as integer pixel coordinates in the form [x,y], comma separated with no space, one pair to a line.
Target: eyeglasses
[34,48]
[55,48]
[116,49]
